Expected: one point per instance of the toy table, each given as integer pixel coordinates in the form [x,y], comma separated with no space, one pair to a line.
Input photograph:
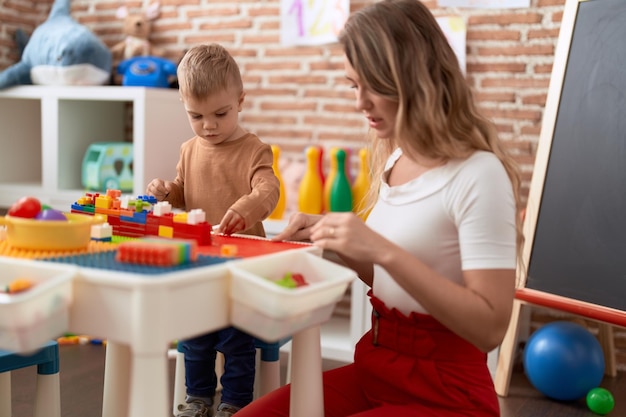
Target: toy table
[140,315]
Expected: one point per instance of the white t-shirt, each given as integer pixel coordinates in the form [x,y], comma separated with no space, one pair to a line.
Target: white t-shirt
[459,216]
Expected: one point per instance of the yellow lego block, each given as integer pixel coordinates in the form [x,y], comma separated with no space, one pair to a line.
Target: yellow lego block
[166,231]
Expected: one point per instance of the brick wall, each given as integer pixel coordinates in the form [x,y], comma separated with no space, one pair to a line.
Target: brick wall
[297,95]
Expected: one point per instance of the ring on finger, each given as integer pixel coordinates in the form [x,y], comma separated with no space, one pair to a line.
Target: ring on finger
[331,232]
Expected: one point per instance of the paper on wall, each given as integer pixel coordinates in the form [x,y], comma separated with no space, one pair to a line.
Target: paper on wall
[485,4]
[455,30]
[312,22]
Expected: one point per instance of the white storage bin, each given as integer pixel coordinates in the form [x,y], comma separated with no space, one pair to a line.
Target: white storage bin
[145,310]
[269,311]
[30,318]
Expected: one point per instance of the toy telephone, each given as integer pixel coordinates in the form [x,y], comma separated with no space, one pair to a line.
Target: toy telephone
[147,71]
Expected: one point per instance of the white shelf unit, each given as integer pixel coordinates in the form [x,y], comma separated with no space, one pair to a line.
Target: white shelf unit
[45,131]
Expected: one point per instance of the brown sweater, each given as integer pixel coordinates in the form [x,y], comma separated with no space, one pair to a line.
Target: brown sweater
[235,175]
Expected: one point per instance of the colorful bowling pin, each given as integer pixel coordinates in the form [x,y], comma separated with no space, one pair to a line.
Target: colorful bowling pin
[348,170]
[330,178]
[361,184]
[279,210]
[340,192]
[320,165]
[310,192]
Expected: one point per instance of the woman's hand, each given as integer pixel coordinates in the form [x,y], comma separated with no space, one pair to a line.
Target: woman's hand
[299,227]
[356,244]
[347,234]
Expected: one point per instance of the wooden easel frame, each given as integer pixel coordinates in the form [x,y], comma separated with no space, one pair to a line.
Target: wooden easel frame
[606,316]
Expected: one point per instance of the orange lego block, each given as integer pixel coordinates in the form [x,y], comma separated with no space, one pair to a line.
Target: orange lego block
[228,250]
[18,285]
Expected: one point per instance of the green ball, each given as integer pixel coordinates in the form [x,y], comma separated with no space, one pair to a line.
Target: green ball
[600,401]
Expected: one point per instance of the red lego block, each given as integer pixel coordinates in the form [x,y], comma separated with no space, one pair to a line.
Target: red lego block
[200,232]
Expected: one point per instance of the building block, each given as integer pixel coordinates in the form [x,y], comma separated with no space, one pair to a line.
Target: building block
[144,216]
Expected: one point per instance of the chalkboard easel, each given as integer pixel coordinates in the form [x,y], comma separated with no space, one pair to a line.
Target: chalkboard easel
[574,256]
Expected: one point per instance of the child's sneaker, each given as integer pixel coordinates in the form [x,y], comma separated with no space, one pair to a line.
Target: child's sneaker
[226,410]
[194,408]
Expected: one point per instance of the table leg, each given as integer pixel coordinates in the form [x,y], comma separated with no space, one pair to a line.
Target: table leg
[5,394]
[149,385]
[116,380]
[180,390]
[307,395]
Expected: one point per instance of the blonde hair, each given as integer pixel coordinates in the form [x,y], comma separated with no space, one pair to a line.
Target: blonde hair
[399,52]
[206,69]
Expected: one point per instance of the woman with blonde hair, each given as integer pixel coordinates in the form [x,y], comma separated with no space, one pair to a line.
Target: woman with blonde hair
[439,247]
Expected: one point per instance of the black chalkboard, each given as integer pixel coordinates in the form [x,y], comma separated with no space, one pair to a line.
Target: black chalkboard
[574,258]
[579,243]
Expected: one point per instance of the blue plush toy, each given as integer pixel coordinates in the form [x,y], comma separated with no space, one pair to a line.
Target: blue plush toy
[60,52]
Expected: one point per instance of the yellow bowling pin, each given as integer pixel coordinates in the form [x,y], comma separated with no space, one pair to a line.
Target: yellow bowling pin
[310,192]
[361,184]
[279,210]
[330,178]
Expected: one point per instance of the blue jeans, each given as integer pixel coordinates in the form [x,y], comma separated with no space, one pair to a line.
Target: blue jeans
[239,365]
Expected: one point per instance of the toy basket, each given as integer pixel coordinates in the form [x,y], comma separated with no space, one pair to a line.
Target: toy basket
[32,317]
[271,312]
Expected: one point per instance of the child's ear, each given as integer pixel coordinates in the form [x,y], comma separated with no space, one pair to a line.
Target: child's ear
[242,97]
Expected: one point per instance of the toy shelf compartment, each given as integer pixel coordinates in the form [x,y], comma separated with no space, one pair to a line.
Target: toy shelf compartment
[21,142]
[271,312]
[46,131]
[32,317]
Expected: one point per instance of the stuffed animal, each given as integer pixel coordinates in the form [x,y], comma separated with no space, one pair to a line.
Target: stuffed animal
[137,28]
[60,52]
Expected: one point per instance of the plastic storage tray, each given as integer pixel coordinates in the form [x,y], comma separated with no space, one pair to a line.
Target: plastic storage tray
[143,308]
[30,318]
[271,312]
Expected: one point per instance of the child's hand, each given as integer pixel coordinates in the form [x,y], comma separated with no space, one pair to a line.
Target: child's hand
[159,189]
[231,223]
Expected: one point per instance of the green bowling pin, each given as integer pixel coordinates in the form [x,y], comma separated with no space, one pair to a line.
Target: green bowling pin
[341,192]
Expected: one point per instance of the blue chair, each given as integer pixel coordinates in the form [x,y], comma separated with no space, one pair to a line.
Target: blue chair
[48,390]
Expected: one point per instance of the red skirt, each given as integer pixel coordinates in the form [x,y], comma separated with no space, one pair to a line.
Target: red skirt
[417,363]
[403,367]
